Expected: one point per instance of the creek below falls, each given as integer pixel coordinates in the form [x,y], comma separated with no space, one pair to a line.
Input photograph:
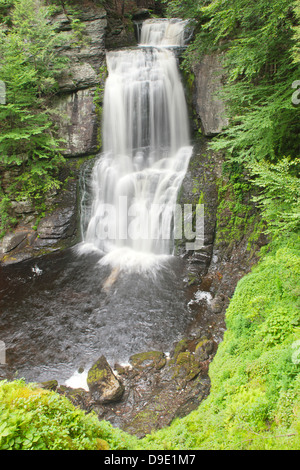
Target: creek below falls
[57,317]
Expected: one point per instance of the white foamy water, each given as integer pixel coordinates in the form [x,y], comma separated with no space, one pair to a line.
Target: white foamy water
[78,380]
[157,32]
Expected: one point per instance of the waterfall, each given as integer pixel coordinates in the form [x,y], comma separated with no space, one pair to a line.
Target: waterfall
[146,151]
[163,32]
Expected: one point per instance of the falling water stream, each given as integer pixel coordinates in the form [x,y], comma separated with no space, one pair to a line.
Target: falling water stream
[113,294]
[146,151]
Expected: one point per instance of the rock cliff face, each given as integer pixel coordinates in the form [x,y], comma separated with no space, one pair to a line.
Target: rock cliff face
[74,106]
[78,122]
[208,105]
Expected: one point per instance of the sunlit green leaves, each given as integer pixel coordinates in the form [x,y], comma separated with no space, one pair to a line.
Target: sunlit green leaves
[280,194]
[36,419]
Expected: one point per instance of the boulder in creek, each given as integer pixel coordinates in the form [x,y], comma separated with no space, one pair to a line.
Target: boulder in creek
[217,304]
[103,384]
[152,359]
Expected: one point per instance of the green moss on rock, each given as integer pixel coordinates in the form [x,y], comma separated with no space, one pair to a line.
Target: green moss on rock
[154,359]
[103,384]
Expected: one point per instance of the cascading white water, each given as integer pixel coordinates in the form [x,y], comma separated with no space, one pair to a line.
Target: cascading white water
[163,32]
[146,151]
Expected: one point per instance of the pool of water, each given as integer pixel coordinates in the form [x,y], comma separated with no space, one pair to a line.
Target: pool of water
[59,314]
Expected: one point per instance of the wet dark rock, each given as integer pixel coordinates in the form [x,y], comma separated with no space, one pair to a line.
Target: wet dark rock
[180,347]
[22,207]
[58,229]
[12,240]
[200,187]
[217,304]
[204,349]
[141,14]
[49,385]
[153,359]
[159,387]
[7,372]
[186,367]
[78,77]
[78,396]
[155,387]
[119,31]
[55,226]
[104,386]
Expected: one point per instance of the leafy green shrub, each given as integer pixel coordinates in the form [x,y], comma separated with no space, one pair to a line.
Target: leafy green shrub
[36,419]
[280,194]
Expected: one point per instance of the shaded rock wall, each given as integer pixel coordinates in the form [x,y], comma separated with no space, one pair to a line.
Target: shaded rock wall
[78,122]
[74,106]
[208,105]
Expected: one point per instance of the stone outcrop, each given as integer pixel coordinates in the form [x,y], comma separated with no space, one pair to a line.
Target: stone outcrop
[104,386]
[208,105]
[200,187]
[152,390]
[57,230]
[120,32]
[78,122]
[74,106]
[91,49]
[78,77]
